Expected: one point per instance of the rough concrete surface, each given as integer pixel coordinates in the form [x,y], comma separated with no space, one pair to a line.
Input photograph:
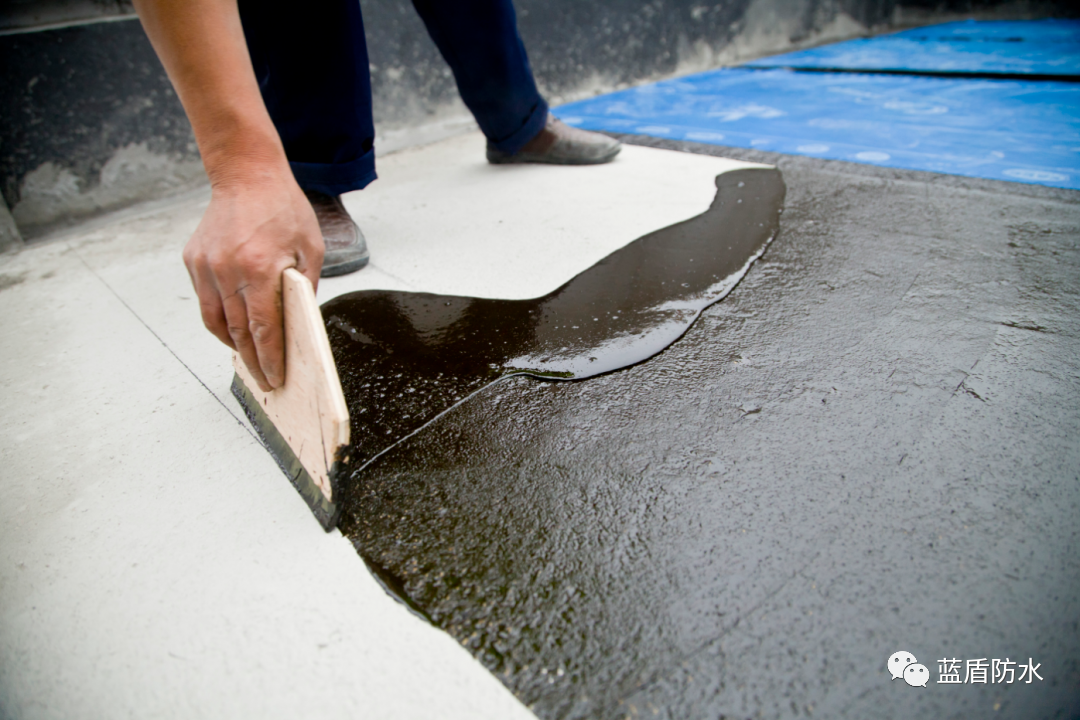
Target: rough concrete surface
[869,446]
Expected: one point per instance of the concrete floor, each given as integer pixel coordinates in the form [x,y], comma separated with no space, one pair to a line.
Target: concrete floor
[153,559]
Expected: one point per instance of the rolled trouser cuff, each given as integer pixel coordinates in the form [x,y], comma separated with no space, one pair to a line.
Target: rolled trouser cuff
[529,129]
[336,178]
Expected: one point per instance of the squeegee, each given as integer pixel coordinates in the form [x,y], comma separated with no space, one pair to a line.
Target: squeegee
[305,422]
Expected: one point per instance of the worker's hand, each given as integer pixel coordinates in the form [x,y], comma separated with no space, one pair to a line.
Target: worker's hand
[255,228]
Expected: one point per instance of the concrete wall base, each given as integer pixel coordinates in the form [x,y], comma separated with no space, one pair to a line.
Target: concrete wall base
[10,238]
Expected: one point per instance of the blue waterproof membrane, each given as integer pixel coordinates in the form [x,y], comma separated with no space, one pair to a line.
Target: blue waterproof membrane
[1041,47]
[1041,31]
[1001,129]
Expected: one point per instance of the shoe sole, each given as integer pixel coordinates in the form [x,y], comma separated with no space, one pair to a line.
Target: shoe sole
[527,158]
[344,268]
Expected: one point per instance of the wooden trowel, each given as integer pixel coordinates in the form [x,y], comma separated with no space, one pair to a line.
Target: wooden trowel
[304,423]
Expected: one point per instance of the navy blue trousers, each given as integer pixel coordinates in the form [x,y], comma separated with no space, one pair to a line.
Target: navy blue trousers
[312,66]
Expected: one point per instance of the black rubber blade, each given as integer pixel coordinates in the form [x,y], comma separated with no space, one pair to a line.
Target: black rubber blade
[326,512]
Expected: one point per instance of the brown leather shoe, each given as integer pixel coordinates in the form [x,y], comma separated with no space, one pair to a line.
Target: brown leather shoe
[346,249]
[560,144]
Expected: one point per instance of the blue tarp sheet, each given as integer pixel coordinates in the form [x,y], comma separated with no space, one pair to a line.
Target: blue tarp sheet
[1041,31]
[1000,129]
[1040,47]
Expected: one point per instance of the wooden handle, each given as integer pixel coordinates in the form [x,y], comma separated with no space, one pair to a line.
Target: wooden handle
[309,410]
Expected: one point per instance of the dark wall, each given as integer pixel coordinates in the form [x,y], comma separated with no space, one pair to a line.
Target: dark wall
[90,123]
[75,96]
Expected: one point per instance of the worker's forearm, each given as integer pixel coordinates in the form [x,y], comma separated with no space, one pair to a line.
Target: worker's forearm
[201,44]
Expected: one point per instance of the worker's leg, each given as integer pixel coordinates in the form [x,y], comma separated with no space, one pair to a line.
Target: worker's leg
[312,67]
[479,39]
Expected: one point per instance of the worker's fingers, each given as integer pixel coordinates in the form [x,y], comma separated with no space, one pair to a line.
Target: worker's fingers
[265,326]
[213,313]
[236,316]
[213,316]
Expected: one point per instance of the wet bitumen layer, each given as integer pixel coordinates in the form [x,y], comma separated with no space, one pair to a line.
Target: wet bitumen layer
[870,445]
[406,357]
